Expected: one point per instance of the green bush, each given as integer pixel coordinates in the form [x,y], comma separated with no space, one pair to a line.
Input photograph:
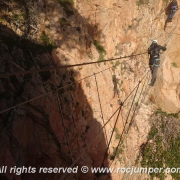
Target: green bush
[100,50]
[67,5]
[63,22]
[174,64]
[45,40]
[159,111]
[117,64]
[142,2]
[161,149]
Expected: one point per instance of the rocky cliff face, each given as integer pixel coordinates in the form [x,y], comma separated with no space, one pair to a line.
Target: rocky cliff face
[56,129]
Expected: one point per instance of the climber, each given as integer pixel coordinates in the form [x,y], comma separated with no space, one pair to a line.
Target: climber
[154,60]
[174,7]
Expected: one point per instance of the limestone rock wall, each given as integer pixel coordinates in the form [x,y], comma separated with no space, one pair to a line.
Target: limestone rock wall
[73,30]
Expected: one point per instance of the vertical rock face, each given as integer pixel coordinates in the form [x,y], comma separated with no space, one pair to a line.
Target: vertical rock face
[167,90]
[56,129]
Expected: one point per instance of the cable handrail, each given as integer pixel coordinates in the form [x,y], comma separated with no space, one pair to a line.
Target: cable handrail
[50,92]
[6,75]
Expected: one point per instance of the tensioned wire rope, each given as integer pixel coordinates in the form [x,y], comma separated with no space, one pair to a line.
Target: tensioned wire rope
[65,130]
[117,120]
[121,139]
[120,111]
[90,143]
[50,92]
[51,69]
[137,88]
[6,75]
[55,68]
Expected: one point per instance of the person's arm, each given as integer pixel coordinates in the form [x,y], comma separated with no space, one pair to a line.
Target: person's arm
[150,49]
[161,48]
[164,48]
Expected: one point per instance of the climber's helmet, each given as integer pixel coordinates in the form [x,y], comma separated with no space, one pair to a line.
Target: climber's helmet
[154,41]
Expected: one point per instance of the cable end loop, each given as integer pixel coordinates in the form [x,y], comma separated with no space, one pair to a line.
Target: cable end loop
[120,102]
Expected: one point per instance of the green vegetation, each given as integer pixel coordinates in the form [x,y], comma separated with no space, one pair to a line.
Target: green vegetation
[174,64]
[117,154]
[45,40]
[114,79]
[117,64]
[3,18]
[63,22]
[142,2]
[120,84]
[166,1]
[67,5]
[153,132]
[18,16]
[117,135]
[162,147]
[130,26]
[100,50]
[89,55]
[159,111]
[136,103]
[153,156]
[88,85]
[118,50]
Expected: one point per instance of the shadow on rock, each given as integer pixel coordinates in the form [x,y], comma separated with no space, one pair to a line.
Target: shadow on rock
[36,134]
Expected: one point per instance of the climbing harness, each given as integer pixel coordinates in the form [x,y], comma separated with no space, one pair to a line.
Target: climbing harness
[156,61]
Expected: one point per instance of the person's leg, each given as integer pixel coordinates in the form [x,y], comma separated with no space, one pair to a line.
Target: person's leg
[151,62]
[154,74]
[151,68]
[172,14]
